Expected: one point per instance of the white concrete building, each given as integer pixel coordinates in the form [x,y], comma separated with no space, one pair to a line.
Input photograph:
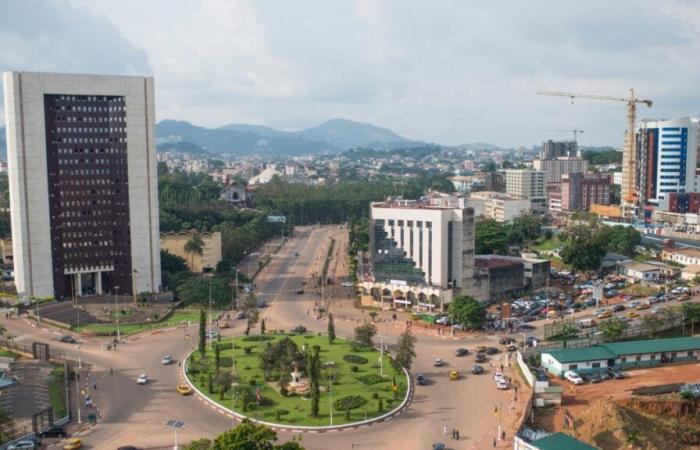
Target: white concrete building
[498,206]
[527,183]
[426,248]
[83,183]
[639,271]
[555,168]
[617,178]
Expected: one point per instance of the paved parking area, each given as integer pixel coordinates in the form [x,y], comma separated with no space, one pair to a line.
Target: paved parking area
[29,395]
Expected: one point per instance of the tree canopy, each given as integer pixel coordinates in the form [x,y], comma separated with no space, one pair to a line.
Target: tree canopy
[467,311]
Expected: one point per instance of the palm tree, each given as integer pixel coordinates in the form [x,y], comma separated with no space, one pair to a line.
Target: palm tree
[193,247]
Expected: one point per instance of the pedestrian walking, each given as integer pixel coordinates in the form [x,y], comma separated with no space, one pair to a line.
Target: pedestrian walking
[457,435]
[503,435]
[454,433]
[494,442]
[444,430]
[111,371]
[94,386]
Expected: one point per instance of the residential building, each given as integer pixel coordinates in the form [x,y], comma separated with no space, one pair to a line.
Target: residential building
[684,202]
[617,178]
[175,242]
[492,181]
[497,206]
[685,256]
[555,168]
[527,183]
[579,191]
[84,198]
[668,151]
[556,149]
[421,252]
[691,272]
[462,183]
[265,176]
[625,355]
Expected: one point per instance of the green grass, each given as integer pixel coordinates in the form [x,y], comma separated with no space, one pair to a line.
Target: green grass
[8,354]
[298,407]
[56,394]
[175,319]
[549,244]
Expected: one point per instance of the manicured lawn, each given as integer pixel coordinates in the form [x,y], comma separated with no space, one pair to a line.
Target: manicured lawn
[176,319]
[295,410]
[56,394]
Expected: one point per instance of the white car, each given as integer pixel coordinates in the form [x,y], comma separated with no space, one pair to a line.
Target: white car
[22,445]
[573,377]
[502,385]
[437,362]
[498,376]
[167,360]
[347,284]
[142,379]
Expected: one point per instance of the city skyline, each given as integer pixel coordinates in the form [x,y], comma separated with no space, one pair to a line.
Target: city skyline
[449,76]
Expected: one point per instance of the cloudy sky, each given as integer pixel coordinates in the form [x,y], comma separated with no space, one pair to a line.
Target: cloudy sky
[443,71]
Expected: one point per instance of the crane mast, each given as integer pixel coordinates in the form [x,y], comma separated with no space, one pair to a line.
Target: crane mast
[630,199]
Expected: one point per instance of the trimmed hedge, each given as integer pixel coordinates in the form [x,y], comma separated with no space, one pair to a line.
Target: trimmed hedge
[371,379]
[355,359]
[349,402]
[257,338]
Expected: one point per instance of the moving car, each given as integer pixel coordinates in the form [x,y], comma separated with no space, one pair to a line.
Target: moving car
[491,350]
[54,431]
[300,291]
[212,334]
[454,375]
[481,349]
[184,389]
[477,369]
[67,339]
[573,377]
[142,379]
[604,315]
[420,379]
[502,385]
[347,284]
[461,352]
[438,446]
[167,360]
[437,362]
[498,376]
[73,444]
[480,357]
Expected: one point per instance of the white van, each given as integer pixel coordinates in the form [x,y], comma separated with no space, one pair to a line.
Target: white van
[573,377]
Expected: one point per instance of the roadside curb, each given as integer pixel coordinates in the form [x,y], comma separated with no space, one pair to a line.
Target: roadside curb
[408,398]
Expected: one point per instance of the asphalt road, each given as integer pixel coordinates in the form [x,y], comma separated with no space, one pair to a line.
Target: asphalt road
[131,414]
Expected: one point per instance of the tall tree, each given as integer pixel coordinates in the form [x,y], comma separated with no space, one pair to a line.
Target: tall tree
[671,314]
[331,329]
[613,328]
[202,333]
[651,323]
[262,326]
[313,370]
[406,350]
[250,436]
[467,311]
[691,312]
[194,246]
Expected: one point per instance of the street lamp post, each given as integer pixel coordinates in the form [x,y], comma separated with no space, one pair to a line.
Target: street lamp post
[330,395]
[116,302]
[210,334]
[176,425]
[77,395]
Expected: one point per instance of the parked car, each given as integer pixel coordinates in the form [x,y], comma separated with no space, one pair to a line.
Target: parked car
[573,377]
[22,445]
[526,327]
[300,292]
[594,377]
[481,349]
[184,389]
[506,340]
[420,379]
[615,373]
[142,379]
[444,320]
[167,360]
[67,339]
[299,329]
[502,385]
[347,284]
[498,376]
[437,362]
[240,315]
[212,334]
[438,446]
[454,375]
[54,431]
[477,369]
[461,352]
[618,307]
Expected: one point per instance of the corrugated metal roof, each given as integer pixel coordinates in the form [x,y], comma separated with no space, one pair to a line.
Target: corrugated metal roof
[613,350]
[561,441]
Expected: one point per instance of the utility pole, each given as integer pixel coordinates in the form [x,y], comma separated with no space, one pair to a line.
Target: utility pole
[381,355]
[330,396]
[209,331]
[116,289]
[77,395]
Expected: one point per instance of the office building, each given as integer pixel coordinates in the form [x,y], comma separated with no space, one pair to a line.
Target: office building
[556,149]
[684,202]
[527,183]
[617,178]
[83,184]
[498,206]
[555,168]
[421,252]
[667,156]
[579,191]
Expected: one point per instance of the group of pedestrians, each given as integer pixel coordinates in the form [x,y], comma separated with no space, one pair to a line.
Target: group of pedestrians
[455,432]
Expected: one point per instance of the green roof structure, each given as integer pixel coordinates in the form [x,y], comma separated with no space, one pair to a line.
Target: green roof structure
[561,441]
[616,349]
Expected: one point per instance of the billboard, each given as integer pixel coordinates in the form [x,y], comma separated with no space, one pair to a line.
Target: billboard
[276,219]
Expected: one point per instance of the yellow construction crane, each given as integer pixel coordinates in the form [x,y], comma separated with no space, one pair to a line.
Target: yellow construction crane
[629,156]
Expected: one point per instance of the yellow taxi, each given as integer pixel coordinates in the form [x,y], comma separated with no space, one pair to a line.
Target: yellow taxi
[73,444]
[604,315]
[183,389]
[632,315]
[454,375]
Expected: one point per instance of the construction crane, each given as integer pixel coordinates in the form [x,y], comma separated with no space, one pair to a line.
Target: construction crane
[574,130]
[629,156]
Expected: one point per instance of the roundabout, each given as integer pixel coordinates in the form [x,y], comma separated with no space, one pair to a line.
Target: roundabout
[265,378]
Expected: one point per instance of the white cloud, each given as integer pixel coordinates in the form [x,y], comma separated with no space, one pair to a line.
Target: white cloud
[447,72]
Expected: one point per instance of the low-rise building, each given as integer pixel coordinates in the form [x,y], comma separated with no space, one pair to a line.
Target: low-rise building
[175,242]
[555,441]
[236,193]
[690,272]
[498,277]
[625,355]
[685,256]
[639,271]
[498,206]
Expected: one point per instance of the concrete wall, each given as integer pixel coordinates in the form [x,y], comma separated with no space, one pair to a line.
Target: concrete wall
[174,243]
